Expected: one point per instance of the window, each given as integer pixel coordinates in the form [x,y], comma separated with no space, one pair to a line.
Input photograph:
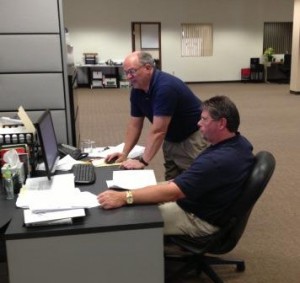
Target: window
[278,35]
[196,40]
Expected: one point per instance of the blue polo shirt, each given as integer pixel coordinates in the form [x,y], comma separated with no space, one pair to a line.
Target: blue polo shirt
[168,96]
[216,178]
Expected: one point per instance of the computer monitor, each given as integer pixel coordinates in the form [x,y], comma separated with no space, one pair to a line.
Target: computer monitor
[48,142]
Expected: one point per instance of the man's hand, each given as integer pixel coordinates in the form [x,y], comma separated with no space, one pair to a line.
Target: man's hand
[116,157]
[132,164]
[112,199]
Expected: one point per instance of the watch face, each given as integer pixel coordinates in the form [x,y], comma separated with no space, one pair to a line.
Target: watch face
[129,198]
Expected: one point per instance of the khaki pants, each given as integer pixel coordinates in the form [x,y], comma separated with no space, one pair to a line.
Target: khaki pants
[179,222]
[179,156]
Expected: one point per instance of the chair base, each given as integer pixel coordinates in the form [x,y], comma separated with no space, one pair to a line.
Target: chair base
[199,264]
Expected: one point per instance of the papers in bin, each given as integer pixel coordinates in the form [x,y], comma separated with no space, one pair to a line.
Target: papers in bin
[132,179]
[103,153]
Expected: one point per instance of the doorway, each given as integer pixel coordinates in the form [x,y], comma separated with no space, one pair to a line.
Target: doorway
[146,36]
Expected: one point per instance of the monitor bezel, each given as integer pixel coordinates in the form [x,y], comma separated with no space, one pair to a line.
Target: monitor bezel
[49,168]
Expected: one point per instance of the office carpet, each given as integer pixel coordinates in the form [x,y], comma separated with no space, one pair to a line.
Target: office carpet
[270,118]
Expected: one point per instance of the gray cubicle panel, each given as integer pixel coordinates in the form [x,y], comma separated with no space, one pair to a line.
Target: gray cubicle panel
[33,70]
[30,16]
[33,91]
[30,53]
[59,121]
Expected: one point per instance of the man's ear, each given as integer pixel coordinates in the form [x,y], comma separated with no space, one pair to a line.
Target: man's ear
[223,123]
[148,67]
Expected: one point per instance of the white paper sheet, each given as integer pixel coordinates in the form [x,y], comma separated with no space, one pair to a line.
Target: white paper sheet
[132,179]
[135,152]
[53,202]
[41,187]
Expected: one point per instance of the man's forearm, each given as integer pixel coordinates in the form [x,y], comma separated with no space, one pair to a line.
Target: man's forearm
[157,194]
[153,144]
[132,136]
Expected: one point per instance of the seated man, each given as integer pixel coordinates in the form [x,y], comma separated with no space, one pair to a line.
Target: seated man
[195,200]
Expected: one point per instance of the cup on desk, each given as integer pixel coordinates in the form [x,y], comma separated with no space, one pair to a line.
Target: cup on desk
[87,145]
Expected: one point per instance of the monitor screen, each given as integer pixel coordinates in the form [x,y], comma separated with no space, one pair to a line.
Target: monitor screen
[48,142]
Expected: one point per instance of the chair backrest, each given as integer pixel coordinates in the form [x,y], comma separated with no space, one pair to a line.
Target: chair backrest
[238,214]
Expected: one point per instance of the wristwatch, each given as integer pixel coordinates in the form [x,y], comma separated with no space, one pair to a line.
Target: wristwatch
[141,159]
[129,197]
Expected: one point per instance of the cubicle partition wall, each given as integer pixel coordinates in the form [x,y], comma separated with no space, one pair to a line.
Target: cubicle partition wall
[33,66]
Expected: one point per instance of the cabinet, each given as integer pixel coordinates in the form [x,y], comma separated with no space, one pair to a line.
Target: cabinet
[277,72]
[33,69]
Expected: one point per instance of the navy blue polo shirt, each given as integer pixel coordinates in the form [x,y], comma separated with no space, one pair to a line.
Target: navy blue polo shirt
[168,96]
[216,178]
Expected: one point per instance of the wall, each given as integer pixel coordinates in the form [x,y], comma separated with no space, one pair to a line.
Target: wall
[295,71]
[105,26]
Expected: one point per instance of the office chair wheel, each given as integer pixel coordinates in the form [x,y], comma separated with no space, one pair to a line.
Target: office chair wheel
[240,267]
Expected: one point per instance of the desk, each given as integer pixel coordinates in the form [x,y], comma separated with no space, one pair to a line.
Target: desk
[121,245]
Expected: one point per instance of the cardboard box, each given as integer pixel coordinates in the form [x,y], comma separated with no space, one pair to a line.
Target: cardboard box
[110,82]
[124,84]
[97,75]
[97,83]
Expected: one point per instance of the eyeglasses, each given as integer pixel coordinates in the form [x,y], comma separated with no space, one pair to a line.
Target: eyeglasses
[132,72]
[207,119]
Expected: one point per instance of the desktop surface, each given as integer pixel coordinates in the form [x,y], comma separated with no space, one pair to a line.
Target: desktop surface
[93,248]
[7,207]
[96,219]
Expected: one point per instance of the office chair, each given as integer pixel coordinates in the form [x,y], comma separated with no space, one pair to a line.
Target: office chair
[194,250]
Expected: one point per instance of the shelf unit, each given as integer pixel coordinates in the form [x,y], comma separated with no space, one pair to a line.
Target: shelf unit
[99,75]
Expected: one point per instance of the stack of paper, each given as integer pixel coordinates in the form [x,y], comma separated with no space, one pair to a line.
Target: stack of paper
[51,218]
[46,202]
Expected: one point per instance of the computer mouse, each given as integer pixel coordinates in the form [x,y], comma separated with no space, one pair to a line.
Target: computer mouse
[112,160]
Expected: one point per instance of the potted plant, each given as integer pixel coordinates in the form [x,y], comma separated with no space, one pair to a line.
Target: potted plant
[268,54]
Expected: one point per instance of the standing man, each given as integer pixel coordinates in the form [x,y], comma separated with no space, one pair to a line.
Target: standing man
[196,200]
[172,109]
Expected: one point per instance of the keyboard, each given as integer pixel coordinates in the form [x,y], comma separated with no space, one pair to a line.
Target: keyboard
[84,173]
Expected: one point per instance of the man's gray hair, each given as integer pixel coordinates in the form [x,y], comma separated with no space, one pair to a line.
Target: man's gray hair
[146,58]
